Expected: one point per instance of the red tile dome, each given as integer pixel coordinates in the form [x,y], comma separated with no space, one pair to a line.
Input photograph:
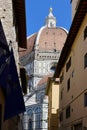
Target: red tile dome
[50,38]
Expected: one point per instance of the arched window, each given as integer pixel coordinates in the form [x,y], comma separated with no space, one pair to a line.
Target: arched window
[30,112]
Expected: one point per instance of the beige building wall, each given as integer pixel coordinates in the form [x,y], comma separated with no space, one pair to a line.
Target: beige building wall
[74,97]
[74,7]
[53,99]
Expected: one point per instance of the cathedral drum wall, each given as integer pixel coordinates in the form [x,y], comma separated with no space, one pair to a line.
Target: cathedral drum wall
[46,45]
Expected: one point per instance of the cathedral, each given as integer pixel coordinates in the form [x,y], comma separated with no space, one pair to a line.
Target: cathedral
[40,60]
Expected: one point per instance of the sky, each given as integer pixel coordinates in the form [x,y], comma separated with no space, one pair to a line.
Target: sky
[38,10]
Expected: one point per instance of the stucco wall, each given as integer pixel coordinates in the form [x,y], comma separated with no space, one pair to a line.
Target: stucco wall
[78,82]
[53,97]
[74,7]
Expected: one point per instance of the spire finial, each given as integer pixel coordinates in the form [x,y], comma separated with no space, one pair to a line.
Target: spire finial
[50,9]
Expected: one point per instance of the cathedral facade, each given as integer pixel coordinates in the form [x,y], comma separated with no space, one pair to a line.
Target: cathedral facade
[40,60]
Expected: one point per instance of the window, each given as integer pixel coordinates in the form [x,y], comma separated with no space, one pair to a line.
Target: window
[44,64]
[68,112]
[85,60]
[53,67]
[85,33]
[39,64]
[0,115]
[68,84]
[43,70]
[73,73]
[78,126]
[30,124]
[68,64]
[38,121]
[85,99]
[51,24]
[39,70]
[61,116]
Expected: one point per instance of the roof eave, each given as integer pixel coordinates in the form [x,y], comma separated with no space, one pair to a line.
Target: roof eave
[20,15]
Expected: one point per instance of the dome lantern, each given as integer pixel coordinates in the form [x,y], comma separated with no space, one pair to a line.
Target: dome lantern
[51,20]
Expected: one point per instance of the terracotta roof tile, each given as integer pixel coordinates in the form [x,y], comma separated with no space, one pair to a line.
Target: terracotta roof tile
[52,38]
[45,39]
[30,45]
[44,79]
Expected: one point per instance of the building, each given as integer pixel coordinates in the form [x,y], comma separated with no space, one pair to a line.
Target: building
[43,51]
[41,57]
[72,71]
[12,34]
[75,4]
[36,113]
[52,91]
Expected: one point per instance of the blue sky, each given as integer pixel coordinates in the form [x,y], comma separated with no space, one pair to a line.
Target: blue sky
[37,10]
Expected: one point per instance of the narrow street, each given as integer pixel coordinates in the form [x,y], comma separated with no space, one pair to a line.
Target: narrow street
[43,72]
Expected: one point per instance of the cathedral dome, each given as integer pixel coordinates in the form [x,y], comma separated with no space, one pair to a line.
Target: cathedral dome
[49,39]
